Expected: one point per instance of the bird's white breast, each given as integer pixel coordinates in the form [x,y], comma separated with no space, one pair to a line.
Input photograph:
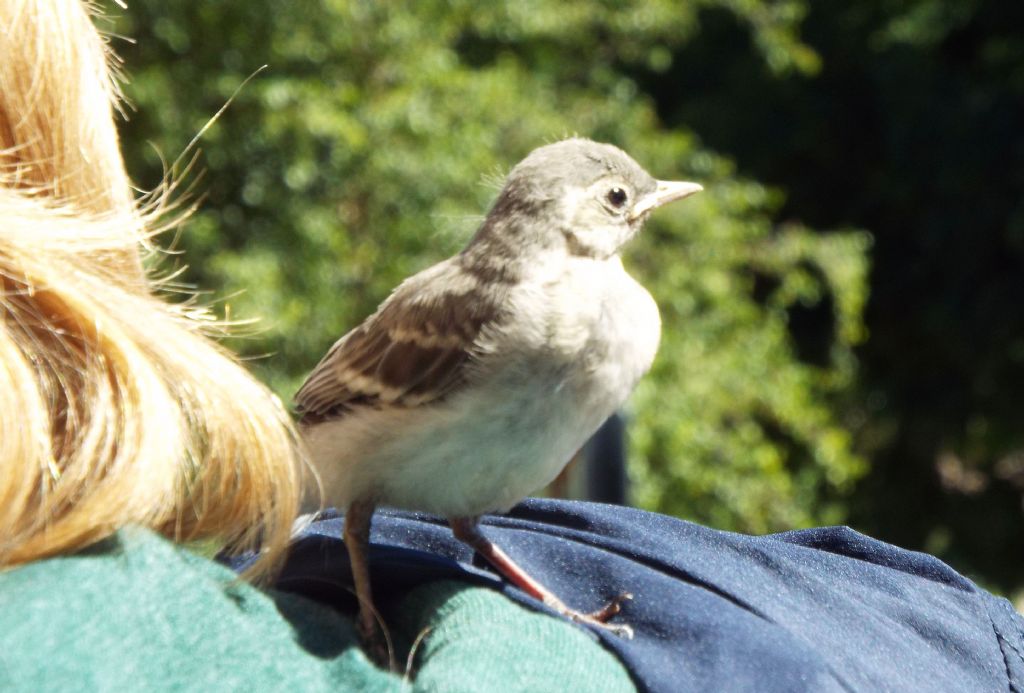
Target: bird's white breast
[582,333]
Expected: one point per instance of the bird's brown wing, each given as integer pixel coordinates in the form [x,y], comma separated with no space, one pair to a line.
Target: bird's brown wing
[415,349]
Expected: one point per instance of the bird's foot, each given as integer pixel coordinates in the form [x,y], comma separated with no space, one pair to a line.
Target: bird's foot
[467,529]
[599,619]
[376,643]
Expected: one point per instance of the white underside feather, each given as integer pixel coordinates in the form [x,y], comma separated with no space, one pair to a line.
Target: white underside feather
[582,333]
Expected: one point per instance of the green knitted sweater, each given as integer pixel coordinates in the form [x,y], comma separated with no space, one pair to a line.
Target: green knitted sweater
[137,612]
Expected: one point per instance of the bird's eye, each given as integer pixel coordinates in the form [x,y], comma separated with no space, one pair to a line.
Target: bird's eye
[617,197]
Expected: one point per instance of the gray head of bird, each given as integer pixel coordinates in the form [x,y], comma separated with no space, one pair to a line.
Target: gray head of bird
[587,196]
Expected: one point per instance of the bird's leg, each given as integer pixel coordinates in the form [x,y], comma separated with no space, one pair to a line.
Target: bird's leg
[466,529]
[357,540]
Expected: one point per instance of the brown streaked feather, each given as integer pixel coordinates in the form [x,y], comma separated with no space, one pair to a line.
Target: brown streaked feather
[415,349]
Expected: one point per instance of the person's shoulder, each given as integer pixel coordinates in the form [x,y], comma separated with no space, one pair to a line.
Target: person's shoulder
[137,611]
[126,575]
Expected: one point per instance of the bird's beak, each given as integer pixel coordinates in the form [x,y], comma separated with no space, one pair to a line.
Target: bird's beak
[667,191]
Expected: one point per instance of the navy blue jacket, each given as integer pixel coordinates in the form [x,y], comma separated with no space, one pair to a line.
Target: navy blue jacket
[812,610]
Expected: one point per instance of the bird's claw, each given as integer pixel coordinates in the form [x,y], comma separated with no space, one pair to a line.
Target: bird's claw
[599,619]
[375,644]
[611,608]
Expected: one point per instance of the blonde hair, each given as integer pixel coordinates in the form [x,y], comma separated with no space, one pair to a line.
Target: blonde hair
[115,406]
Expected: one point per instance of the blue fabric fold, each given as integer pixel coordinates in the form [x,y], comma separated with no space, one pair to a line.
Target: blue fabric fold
[811,610]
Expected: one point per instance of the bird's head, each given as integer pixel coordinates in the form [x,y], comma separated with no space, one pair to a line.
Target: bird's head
[589,196]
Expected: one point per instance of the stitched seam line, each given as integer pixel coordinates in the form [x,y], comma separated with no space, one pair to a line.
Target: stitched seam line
[1009,644]
[1000,640]
[1006,662]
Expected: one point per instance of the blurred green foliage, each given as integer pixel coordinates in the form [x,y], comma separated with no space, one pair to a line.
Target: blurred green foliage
[373,144]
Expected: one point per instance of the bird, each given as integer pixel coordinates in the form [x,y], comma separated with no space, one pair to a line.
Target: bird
[476,381]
